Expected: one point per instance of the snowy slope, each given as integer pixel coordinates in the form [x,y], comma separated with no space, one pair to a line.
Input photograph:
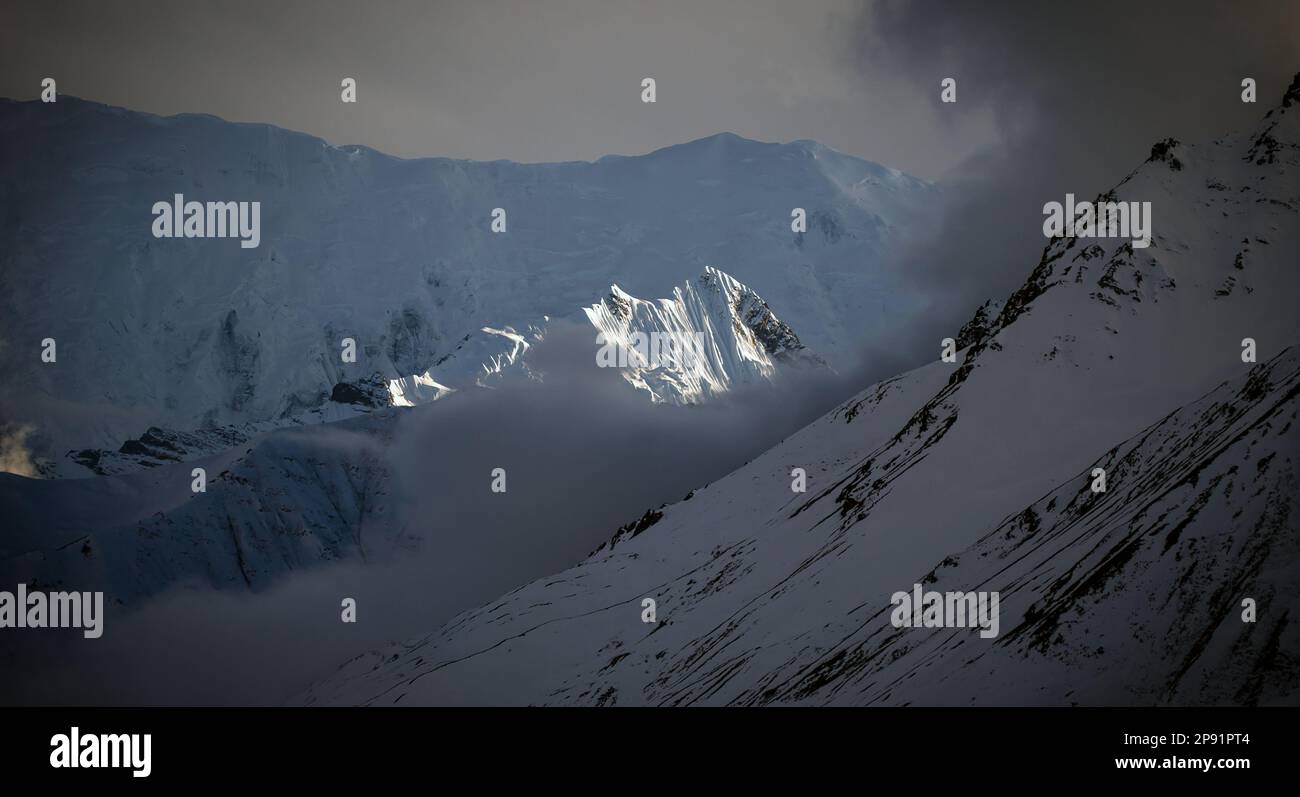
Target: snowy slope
[1199,514]
[193,334]
[970,474]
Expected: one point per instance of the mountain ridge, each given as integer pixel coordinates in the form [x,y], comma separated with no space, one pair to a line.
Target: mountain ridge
[723,136]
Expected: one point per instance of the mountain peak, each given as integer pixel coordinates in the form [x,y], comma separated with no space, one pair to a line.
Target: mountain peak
[713,333]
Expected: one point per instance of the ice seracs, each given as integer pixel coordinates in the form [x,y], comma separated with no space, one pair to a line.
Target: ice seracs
[713,335]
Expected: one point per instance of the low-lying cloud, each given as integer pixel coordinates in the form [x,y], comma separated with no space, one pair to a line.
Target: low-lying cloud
[583,454]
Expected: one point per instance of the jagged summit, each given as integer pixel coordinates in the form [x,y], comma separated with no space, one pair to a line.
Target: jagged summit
[714,334]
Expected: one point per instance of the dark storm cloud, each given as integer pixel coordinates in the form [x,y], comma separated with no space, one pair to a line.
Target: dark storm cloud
[1077,95]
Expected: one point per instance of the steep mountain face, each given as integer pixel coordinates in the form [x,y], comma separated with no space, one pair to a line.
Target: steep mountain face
[398,255]
[1199,515]
[976,476]
[714,333]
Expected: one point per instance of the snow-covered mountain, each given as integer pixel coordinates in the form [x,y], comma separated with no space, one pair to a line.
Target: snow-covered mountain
[287,500]
[976,476]
[202,336]
[712,334]
[317,488]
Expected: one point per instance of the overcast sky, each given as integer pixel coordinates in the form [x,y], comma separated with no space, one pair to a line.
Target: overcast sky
[536,80]
[528,81]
